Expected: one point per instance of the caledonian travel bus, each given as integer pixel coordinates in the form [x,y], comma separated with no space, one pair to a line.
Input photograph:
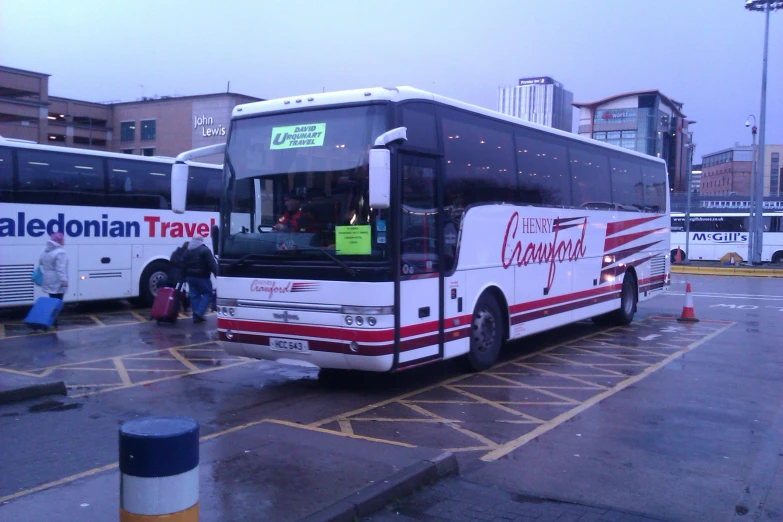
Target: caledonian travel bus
[385,228]
[113,209]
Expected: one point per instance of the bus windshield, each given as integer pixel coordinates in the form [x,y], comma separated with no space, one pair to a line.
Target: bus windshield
[297,183]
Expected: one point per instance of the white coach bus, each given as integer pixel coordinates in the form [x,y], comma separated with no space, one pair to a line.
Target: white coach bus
[113,209]
[424,229]
[714,235]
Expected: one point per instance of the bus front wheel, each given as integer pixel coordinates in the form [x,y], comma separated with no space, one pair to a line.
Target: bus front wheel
[486,336]
[152,278]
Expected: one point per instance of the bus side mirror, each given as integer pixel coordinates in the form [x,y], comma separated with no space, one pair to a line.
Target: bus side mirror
[380,178]
[215,233]
[179,187]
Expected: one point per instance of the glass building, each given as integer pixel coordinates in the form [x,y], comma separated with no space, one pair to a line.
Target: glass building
[645,121]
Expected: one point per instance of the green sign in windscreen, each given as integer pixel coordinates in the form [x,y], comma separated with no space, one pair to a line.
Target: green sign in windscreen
[310,135]
[353,240]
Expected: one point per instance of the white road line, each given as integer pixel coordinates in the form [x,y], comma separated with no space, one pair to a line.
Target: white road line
[728,296]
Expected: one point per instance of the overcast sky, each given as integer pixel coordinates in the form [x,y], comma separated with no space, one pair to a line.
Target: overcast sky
[704,53]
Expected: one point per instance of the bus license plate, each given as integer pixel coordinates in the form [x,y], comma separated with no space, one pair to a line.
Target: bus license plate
[289,345]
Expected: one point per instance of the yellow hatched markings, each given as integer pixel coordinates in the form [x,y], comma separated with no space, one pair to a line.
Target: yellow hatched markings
[571,377]
[124,377]
[643,351]
[593,352]
[187,364]
[453,425]
[590,365]
[536,389]
[510,446]
[96,320]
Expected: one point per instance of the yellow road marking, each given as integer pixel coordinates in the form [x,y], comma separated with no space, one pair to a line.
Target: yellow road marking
[345,427]
[124,377]
[60,482]
[97,321]
[2,331]
[539,390]
[572,377]
[114,465]
[140,317]
[494,404]
[575,363]
[150,381]
[187,364]
[19,372]
[508,447]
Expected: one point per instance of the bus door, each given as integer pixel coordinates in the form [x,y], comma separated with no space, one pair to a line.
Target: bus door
[420,271]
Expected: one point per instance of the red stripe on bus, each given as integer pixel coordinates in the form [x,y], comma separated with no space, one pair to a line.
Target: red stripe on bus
[613,228]
[554,310]
[614,242]
[540,303]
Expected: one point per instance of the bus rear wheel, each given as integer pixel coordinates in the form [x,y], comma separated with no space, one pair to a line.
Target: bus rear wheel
[623,315]
[153,277]
[486,336]
[777,257]
[683,255]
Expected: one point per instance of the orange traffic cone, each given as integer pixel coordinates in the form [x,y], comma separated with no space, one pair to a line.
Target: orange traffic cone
[678,256]
[687,311]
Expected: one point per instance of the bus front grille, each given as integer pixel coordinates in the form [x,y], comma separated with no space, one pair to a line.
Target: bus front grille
[15,284]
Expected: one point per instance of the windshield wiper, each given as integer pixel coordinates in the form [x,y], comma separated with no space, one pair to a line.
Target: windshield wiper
[244,258]
[350,271]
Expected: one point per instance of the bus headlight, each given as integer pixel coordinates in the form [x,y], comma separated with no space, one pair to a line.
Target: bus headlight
[359,320]
[371,321]
[354,346]
[348,319]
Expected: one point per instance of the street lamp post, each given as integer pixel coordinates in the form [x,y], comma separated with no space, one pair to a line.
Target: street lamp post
[752,209]
[767,6]
[690,146]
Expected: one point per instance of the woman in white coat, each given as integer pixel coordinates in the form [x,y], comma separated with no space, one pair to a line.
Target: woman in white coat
[54,267]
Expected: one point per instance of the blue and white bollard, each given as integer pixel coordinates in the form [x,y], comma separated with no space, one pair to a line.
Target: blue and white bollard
[159,469]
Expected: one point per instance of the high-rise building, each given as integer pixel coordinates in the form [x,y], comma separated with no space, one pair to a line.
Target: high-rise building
[696,178]
[645,121]
[540,100]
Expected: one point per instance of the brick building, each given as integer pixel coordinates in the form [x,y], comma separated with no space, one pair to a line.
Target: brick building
[160,126]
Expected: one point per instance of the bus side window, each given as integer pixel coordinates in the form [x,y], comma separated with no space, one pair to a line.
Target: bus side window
[204,189]
[6,176]
[591,183]
[60,178]
[139,184]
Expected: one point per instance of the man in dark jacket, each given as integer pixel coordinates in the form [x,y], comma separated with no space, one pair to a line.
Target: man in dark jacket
[199,265]
[176,273]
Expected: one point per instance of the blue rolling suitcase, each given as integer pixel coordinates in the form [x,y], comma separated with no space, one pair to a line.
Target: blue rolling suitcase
[43,313]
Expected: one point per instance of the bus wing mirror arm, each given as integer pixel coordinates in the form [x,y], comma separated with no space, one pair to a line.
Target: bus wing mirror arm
[380,167]
[180,174]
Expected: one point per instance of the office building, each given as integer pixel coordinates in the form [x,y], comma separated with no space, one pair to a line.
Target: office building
[727,172]
[540,100]
[645,121]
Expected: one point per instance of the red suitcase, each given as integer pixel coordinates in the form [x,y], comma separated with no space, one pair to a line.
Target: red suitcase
[166,305]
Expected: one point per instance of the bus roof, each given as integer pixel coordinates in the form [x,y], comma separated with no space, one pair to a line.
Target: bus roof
[24,144]
[398,94]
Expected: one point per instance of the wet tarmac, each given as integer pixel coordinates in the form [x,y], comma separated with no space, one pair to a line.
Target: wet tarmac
[639,417]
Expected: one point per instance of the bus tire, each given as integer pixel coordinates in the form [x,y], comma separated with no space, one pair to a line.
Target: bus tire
[486,335]
[624,315]
[777,257]
[151,278]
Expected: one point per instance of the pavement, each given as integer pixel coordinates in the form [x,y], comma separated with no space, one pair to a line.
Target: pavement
[717,268]
[655,421]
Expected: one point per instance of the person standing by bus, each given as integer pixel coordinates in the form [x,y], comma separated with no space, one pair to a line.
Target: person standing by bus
[199,265]
[176,272]
[54,267]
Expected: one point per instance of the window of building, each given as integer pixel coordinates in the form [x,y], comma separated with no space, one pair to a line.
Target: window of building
[138,184]
[60,178]
[6,176]
[591,185]
[57,138]
[128,131]
[479,156]
[95,142]
[774,174]
[615,116]
[627,186]
[126,151]
[543,170]
[147,130]
[148,151]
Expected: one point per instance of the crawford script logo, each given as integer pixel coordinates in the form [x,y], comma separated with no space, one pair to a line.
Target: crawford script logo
[270,288]
[568,242]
